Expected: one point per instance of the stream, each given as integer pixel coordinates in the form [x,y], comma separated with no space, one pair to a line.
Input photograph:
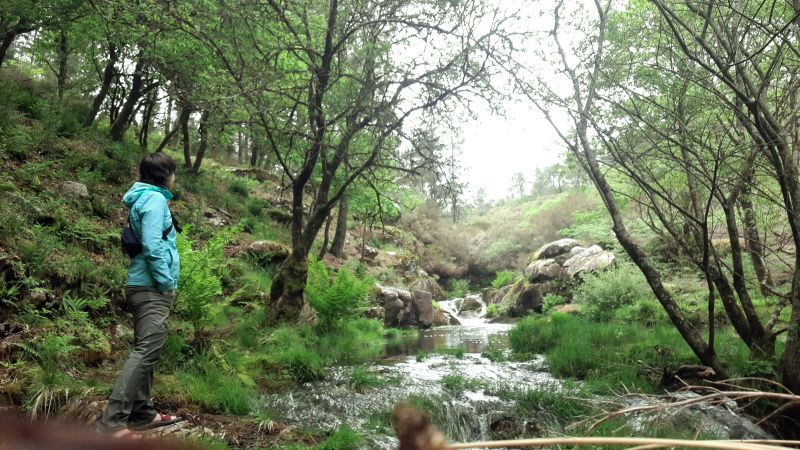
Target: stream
[443,370]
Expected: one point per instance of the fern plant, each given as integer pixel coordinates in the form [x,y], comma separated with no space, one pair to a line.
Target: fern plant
[199,285]
[335,298]
[49,387]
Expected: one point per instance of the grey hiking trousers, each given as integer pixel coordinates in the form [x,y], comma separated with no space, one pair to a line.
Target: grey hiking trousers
[130,403]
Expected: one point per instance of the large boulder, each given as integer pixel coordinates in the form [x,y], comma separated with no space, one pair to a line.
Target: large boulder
[529,299]
[430,285]
[470,303]
[421,312]
[591,259]
[407,309]
[392,306]
[554,249]
[73,189]
[543,270]
[444,318]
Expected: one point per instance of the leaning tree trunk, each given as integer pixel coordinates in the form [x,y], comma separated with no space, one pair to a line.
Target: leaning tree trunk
[123,119]
[5,44]
[147,117]
[187,145]
[754,246]
[108,77]
[201,149]
[337,246]
[325,235]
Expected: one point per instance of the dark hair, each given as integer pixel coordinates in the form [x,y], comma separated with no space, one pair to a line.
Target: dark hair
[156,169]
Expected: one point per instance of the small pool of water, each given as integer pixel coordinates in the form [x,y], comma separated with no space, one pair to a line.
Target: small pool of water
[471,339]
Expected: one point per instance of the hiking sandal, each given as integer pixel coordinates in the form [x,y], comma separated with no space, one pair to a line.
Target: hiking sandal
[159,420]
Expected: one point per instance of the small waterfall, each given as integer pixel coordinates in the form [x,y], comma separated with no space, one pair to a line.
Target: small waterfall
[470,310]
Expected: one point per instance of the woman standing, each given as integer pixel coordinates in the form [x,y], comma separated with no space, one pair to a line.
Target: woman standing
[149,294]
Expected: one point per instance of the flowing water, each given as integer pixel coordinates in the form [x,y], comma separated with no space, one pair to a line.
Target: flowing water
[411,370]
[455,387]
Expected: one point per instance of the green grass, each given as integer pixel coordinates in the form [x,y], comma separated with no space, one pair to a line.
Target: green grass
[606,355]
[362,380]
[217,391]
[456,384]
[345,438]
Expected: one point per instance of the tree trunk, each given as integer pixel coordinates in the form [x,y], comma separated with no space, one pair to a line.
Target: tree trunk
[5,44]
[147,118]
[108,77]
[254,153]
[364,240]
[201,149]
[168,118]
[337,247]
[325,242]
[187,149]
[286,293]
[63,59]
[754,247]
[123,119]
[167,138]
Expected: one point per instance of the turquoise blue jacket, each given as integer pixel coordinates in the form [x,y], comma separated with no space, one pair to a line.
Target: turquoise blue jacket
[158,265]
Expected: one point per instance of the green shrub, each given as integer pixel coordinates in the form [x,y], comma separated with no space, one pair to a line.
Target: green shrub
[256,207]
[337,299]
[646,312]
[16,141]
[602,293]
[552,300]
[239,187]
[458,288]
[21,96]
[199,285]
[504,278]
[70,120]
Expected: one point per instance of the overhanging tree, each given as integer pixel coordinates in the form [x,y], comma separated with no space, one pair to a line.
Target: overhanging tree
[318,75]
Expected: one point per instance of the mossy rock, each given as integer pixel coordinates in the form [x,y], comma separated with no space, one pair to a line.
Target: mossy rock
[280,215]
[265,252]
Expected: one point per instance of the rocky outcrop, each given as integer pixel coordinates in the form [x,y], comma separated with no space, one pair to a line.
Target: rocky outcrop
[406,309]
[429,285]
[588,260]
[554,249]
[543,270]
[551,268]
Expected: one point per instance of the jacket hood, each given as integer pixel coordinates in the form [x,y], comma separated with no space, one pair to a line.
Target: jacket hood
[139,188]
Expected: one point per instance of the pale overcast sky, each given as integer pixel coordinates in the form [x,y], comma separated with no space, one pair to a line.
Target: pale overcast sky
[495,147]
